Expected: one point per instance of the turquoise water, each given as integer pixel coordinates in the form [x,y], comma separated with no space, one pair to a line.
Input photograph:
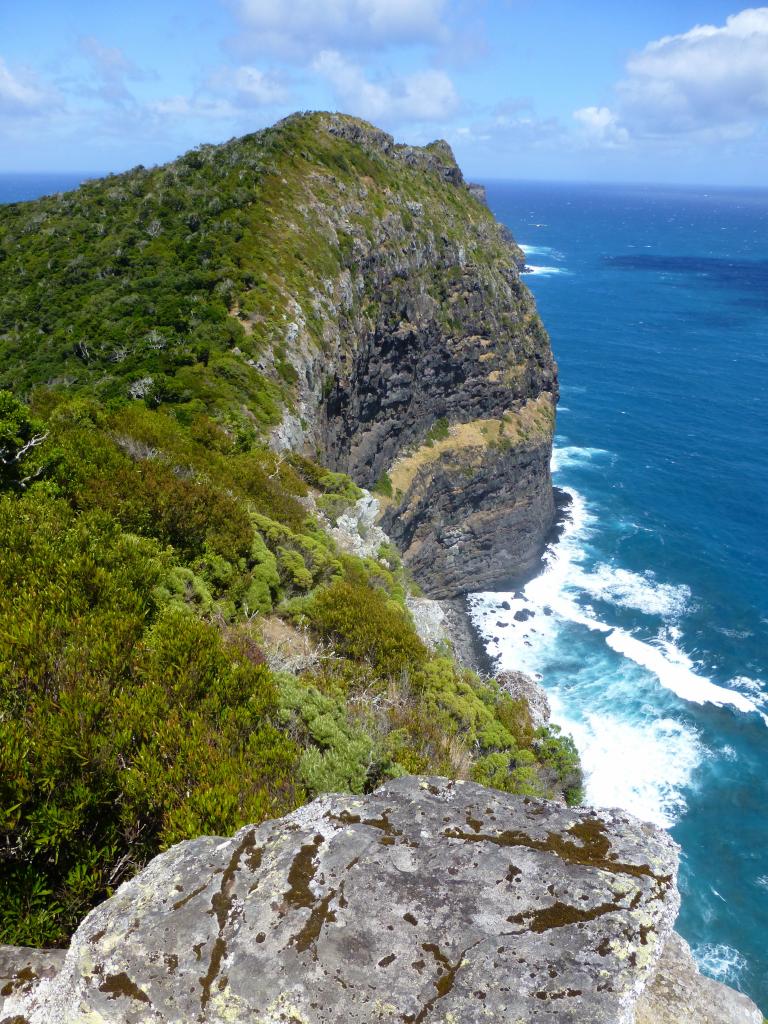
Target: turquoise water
[650,620]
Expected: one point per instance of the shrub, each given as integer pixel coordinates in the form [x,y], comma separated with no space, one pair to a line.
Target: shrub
[383,485]
[365,624]
[439,430]
[128,728]
[339,754]
[294,568]
[558,753]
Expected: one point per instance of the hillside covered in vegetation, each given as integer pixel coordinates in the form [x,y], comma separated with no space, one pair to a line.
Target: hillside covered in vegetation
[184,648]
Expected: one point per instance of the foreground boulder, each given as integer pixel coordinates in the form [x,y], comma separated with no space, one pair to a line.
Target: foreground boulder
[428,901]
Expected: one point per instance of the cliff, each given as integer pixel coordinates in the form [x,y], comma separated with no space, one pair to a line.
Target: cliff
[318,274]
[445,384]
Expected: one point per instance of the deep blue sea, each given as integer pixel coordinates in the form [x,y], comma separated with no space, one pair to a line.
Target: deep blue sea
[650,629]
[16,187]
[651,621]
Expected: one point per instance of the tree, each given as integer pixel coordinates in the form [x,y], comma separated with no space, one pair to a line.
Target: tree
[20,435]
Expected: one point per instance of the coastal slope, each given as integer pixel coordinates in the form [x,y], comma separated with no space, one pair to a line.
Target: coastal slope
[352,294]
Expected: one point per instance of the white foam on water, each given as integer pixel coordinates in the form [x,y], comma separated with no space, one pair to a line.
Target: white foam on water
[636,590]
[641,766]
[756,688]
[542,250]
[563,578]
[675,671]
[718,961]
[632,758]
[530,268]
[565,456]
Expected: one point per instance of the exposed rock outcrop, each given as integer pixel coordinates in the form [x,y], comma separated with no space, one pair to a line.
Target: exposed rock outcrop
[427,901]
[23,968]
[434,366]
[522,687]
[357,530]
[679,993]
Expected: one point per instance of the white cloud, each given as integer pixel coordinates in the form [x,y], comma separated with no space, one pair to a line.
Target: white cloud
[311,25]
[111,70]
[426,95]
[110,60]
[711,80]
[257,88]
[229,94]
[201,107]
[19,93]
[600,125]
[513,128]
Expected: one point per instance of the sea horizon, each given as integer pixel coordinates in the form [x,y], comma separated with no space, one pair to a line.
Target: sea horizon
[62,178]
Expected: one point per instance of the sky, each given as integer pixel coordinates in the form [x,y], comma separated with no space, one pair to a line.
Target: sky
[524,89]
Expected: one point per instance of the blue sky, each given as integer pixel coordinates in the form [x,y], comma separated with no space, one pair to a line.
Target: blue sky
[548,89]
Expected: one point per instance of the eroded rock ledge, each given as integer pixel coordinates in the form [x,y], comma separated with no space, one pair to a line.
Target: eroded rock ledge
[427,901]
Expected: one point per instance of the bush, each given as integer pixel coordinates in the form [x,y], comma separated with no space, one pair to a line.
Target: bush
[129,728]
[338,755]
[383,485]
[365,624]
[439,431]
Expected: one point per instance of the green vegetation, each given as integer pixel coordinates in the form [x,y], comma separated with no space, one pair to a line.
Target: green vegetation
[153,542]
[137,707]
[383,486]
[168,283]
[439,431]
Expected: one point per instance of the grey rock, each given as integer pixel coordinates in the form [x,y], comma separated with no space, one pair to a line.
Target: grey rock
[679,993]
[472,521]
[521,687]
[22,969]
[356,531]
[429,619]
[478,191]
[428,901]
[428,319]
[467,647]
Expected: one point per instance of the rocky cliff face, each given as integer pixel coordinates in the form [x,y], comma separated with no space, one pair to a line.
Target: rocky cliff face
[435,371]
[429,901]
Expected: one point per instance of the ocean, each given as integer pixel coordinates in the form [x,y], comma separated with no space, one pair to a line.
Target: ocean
[15,188]
[649,622]
[650,619]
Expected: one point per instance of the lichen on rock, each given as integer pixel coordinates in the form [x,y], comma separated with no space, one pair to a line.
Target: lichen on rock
[427,901]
